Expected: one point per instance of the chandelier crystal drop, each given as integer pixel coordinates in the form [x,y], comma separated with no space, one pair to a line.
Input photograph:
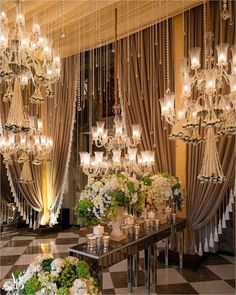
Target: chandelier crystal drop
[214,86]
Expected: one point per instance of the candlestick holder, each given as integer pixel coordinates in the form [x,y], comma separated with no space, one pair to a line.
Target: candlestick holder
[106,241]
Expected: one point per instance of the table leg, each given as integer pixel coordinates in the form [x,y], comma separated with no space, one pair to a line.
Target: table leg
[181,249]
[136,268]
[167,251]
[147,269]
[130,269]
[153,267]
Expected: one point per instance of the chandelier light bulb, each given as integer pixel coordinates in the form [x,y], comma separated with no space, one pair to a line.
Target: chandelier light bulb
[186,86]
[36,25]
[100,128]
[105,135]
[233,51]
[20,19]
[232,83]
[36,140]
[183,67]
[210,77]
[3,36]
[22,139]
[180,115]
[132,154]
[25,40]
[3,17]
[24,80]
[118,127]
[116,156]
[98,157]
[84,158]
[11,139]
[41,41]
[222,52]
[43,140]
[136,131]
[195,57]
[39,125]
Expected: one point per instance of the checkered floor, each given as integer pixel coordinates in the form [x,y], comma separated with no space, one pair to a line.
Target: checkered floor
[215,276]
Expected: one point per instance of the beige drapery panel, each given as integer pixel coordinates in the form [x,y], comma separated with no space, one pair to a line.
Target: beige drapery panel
[58,122]
[60,125]
[147,86]
[205,199]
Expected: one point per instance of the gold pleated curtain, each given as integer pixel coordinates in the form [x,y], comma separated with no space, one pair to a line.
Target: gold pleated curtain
[142,84]
[204,200]
[58,118]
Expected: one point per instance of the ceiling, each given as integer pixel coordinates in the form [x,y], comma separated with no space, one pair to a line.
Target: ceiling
[90,23]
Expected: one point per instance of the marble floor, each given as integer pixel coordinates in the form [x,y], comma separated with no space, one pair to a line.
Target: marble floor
[215,276]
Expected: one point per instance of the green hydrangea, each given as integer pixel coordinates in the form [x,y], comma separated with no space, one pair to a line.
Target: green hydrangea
[63,291]
[67,276]
[85,213]
[46,264]
[82,269]
[31,286]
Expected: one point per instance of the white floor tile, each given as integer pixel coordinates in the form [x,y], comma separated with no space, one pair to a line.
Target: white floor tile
[4,271]
[7,251]
[107,281]
[213,287]
[121,266]
[231,259]
[168,276]
[29,258]
[19,238]
[3,243]
[225,271]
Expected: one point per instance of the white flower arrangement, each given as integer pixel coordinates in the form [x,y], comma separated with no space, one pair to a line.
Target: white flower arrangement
[55,277]
[100,199]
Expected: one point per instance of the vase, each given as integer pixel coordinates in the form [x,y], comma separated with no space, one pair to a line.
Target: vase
[117,234]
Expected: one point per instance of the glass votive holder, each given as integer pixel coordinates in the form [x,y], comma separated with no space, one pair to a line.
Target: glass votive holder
[98,240]
[92,241]
[147,223]
[131,229]
[126,229]
[136,229]
[87,237]
[106,240]
[174,217]
[157,223]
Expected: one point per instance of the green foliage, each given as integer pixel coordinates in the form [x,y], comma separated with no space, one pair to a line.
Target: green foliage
[82,269]
[67,276]
[84,212]
[130,187]
[113,208]
[121,198]
[120,175]
[46,264]
[63,291]
[16,274]
[147,180]
[31,286]
[165,174]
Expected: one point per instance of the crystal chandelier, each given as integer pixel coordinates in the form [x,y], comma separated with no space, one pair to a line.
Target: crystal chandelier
[25,58]
[121,151]
[214,109]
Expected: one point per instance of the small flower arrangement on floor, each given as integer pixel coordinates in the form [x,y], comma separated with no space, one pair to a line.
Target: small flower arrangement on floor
[68,276]
[161,187]
[101,199]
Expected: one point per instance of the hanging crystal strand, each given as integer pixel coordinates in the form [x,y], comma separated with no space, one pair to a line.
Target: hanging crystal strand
[211,169]
[27,214]
[223,216]
[142,65]
[150,81]
[206,246]
[211,240]
[24,215]
[219,224]
[200,252]
[216,237]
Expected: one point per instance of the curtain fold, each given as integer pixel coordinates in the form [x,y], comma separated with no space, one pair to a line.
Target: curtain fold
[205,199]
[60,126]
[58,117]
[142,75]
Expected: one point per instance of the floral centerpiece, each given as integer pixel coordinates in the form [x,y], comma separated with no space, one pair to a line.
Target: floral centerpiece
[161,187]
[103,199]
[68,276]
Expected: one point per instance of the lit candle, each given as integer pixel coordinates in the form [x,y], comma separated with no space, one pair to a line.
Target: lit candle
[151,215]
[98,230]
[136,229]
[106,240]
[92,241]
[157,223]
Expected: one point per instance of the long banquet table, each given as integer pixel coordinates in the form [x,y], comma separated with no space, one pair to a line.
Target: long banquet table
[129,249]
